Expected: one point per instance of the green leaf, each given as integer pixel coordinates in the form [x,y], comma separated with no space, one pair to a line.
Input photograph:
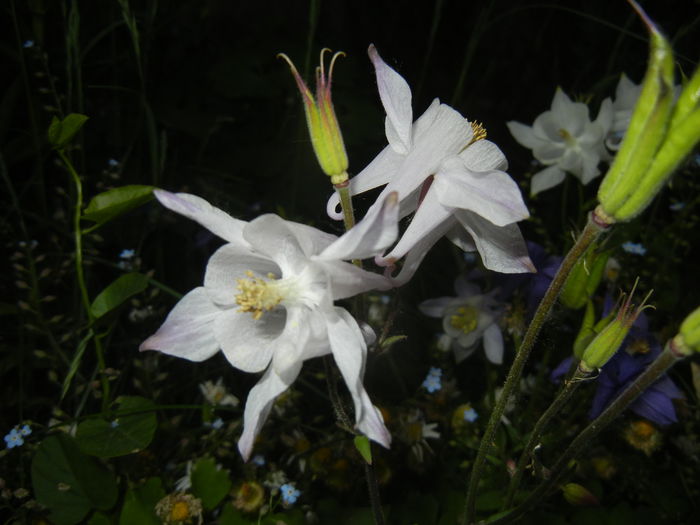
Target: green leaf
[75,363]
[61,132]
[209,483]
[364,448]
[233,516]
[70,483]
[125,435]
[392,340]
[140,502]
[100,518]
[119,291]
[111,203]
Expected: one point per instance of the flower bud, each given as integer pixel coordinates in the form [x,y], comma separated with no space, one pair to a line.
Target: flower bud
[584,279]
[326,138]
[626,182]
[688,339]
[579,495]
[609,339]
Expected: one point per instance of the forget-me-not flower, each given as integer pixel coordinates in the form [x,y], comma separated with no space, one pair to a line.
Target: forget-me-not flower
[289,493]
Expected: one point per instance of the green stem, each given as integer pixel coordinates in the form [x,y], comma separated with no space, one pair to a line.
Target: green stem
[343,190]
[80,274]
[659,367]
[570,386]
[589,234]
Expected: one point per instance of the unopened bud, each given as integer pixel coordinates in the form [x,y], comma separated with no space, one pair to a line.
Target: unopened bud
[584,278]
[688,339]
[579,495]
[326,138]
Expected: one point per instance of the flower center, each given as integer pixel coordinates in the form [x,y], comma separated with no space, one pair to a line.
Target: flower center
[478,132]
[466,319]
[180,511]
[258,295]
[568,138]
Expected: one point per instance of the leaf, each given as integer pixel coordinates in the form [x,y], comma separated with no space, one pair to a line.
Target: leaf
[75,363]
[140,502]
[364,448]
[233,516]
[390,341]
[209,483]
[61,132]
[116,293]
[111,203]
[68,482]
[100,518]
[125,435]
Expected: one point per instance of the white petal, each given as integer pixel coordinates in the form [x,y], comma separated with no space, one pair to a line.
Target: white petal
[248,344]
[464,288]
[188,331]
[460,352]
[491,194]
[273,237]
[605,115]
[484,155]
[290,346]
[461,238]
[523,134]
[502,248]
[435,307]
[347,280]
[430,216]
[260,400]
[213,219]
[231,262]
[372,235]
[545,179]
[349,351]
[377,173]
[396,98]
[493,344]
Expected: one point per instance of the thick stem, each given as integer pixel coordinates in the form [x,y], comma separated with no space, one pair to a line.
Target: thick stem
[343,190]
[570,386]
[659,367]
[589,234]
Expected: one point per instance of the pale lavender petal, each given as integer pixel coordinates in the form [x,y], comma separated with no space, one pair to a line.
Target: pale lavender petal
[493,344]
[188,331]
[260,400]
[523,134]
[502,248]
[396,98]
[349,351]
[545,179]
[435,307]
[213,219]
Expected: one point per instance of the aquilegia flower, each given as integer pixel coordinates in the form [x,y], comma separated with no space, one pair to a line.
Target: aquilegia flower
[469,318]
[565,140]
[445,171]
[267,303]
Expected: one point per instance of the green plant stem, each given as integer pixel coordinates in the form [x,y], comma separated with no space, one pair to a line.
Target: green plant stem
[661,364]
[570,386]
[589,234]
[80,274]
[343,190]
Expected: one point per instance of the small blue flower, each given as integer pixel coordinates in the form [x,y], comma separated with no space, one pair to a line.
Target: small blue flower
[435,371]
[114,424]
[127,254]
[28,43]
[677,206]
[432,383]
[258,460]
[26,430]
[113,163]
[217,423]
[290,494]
[470,415]
[634,247]
[14,439]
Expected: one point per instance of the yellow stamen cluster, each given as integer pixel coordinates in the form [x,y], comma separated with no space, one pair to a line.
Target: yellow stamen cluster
[256,295]
[179,508]
[466,319]
[478,132]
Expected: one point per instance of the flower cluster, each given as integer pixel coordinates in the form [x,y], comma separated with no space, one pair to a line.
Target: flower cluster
[15,437]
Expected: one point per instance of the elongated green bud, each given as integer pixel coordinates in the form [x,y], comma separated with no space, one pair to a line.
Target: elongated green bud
[608,341]
[326,138]
[584,279]
[688,101]
[688,339]
[587,332]
[647,128]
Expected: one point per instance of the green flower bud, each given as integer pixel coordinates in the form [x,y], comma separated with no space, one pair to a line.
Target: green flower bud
[688,339]
[584,278]
[645,133]
[610,338]
[326,138]
[579,495]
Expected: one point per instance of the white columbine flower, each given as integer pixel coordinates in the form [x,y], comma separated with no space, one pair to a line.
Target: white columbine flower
[446,172]
[467,319]
[267,303]
[564,139]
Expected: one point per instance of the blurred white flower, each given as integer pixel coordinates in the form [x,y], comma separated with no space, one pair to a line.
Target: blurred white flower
[267,303]
[565,140]
[217,394]
[445,171]
[468,319]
